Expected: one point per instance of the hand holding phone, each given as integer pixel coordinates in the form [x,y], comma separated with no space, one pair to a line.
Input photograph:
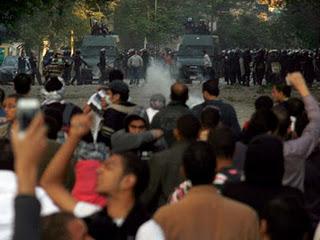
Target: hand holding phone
[27,108]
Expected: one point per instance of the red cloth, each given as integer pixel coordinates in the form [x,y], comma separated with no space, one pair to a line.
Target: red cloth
[86,180]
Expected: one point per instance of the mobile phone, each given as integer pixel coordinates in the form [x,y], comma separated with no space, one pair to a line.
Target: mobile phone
[27,108]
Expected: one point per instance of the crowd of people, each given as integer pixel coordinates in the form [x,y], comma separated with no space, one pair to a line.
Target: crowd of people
[116,170]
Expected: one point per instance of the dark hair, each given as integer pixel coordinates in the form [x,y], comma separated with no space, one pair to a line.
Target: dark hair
[6,156]
[2,95]
[210,117]
[223,140]
[295,107]
[55,226]
[286,218]
[263,102]
[179,92]
[53,84]
[188,126]
[199,163]
[284,88]
[261,122]
[133,165]
[22,83]
[211,87]
[283,121]
[115,75]
[264,163]
[124,96]
[15,96]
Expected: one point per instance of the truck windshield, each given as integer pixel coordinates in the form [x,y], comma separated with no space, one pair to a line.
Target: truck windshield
[196,51]
[93,51]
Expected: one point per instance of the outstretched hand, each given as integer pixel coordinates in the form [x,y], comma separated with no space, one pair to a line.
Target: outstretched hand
[296,79]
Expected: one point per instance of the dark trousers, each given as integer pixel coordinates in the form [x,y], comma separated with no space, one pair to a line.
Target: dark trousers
[36,75]
[77,77]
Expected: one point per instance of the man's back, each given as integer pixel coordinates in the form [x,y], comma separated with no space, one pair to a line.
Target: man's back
[207,215]
[227,112]
[164,175]
[166,119]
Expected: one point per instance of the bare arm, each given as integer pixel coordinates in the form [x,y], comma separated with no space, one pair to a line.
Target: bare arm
[54,176]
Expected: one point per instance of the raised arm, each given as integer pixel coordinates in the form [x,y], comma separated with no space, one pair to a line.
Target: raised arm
[28,152]
[54,176]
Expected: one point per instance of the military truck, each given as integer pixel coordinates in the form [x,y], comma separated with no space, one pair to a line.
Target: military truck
[90,51]
[189,58]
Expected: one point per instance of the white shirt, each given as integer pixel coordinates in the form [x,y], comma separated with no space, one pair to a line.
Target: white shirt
[8,192]
[207,61]
[150,230]
[135,61]
[151,113]
[317,234]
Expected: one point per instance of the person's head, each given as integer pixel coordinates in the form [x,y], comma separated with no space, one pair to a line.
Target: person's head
[284,217]
[118,92]
[281,92]
[137,121]
[295,107]
[210,89]
[123,173]
[53,120]
[224,142]
[53,84]
[63,226]
[22,84]
[115,74]
[6,156]
[188,127]
[199,163]
[204,52]
[2,96]
[263,102]
[262,121]
[264,163]
[179,92]
[157,101]
[283,117]
[210,117]
[10,106]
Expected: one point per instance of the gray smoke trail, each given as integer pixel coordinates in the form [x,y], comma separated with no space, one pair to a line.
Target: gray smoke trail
[159,80]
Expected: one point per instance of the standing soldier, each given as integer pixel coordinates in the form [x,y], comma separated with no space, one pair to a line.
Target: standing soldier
[22,63]
[207,66]
[34,68]
[247,71]
[135,63]
[226,66]
[102,66]
[145,57]
[78,61]
[259,66]
[67,67]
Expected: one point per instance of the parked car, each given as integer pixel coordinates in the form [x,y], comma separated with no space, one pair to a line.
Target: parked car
[9,69]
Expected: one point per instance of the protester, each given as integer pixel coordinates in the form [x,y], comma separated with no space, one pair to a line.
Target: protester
[137,137]
[210,93]
[10,108]
[164,166]
[121,178]
[167,117]
[8,191]
[157,102]
[115,108]
[284,218]
[264,155]
[22,84]
[203,213]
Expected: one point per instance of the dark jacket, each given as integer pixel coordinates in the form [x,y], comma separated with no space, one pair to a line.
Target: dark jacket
[227,112]
[113,120]
[101,226]
[27,218]
[164,175]
[166,119]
